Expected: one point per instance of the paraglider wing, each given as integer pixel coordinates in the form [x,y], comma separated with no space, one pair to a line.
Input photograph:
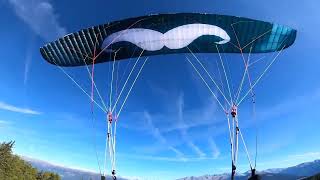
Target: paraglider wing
[167,34]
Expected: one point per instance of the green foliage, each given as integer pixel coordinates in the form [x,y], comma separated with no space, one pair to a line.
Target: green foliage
[13,167]
[47,176]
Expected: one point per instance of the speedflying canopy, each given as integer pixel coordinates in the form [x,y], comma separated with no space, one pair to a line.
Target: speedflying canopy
[167,34]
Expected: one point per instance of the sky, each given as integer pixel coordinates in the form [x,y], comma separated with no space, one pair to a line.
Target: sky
[170,126]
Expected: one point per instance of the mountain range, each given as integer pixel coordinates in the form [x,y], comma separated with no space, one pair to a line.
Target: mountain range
[299,171]
[65,172]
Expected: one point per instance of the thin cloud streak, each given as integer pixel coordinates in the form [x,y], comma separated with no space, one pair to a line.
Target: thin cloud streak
[214,148]
[4,124]
[207,114]
[164,158]
[28,60]
[196,149]
[290,160]
[206,118]
[157,135]
[27,67]
[8,107]
[40,16]
[183,131]
[307,155]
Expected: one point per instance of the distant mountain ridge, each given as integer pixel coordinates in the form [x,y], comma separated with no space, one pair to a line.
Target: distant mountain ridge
[65,172]
[299,171]
[304,169]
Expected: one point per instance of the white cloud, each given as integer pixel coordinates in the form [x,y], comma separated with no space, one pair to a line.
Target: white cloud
[8,107]
[290,160]
[307,155]
[40,16]
[4,123]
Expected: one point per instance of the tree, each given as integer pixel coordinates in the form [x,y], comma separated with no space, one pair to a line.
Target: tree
[14,168]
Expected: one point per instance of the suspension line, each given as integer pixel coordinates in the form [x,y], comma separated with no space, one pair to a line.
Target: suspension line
[112,135]
[132,69]
[112,75]
[75,82]
[119,112]
[230,136]
[114,141]
[256,61]
[259,78]
[214,82]
[244,74]
[94,142]
[216,98]
[246,149]
[225,74]
[107,143]
[237,142]
[93,83]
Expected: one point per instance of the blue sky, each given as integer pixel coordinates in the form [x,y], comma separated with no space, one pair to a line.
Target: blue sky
[171,126]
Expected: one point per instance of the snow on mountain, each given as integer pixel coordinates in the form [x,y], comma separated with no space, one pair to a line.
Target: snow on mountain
[65,172]
[290,173]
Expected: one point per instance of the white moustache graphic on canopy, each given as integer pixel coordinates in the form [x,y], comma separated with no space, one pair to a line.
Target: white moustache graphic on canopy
[175,38]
